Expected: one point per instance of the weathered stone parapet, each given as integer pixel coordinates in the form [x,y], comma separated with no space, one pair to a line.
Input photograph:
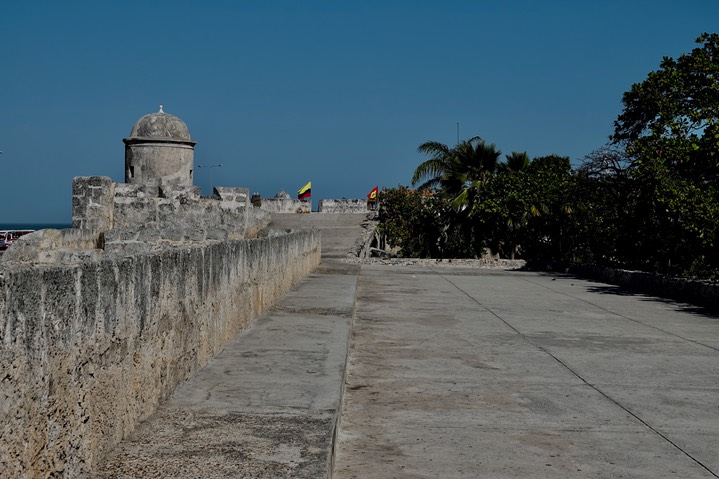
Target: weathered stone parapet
[342,206]
[92,203]
[183,216]
[236,199]
[69,246]
[176,214]
[285,205]
[258,222]
[88,350]
[233,195]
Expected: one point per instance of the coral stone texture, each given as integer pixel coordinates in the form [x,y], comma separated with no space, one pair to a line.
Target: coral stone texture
[89,350]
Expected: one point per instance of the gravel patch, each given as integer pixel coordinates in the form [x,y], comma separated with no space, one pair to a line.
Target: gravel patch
[455,263]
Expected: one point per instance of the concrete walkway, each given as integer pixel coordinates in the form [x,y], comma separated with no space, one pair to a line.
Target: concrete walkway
[267,405]
[466,373]
[452,373]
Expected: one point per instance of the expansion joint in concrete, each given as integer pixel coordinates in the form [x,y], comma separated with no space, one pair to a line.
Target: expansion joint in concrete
[338,419]
[316,311]
[623,407]
[581,378]
[664,331]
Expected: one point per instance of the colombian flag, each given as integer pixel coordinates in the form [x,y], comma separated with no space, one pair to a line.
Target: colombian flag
[305,192]
[373,194]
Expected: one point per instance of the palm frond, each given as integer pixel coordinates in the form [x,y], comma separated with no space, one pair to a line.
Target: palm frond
[460,200]
[431,168]
[515,162]
[430,184]
[434,149]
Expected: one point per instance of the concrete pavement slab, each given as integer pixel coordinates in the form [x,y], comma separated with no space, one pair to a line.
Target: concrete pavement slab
[321,293]
[562,385]
[340,231]
[205,443]
[305,355]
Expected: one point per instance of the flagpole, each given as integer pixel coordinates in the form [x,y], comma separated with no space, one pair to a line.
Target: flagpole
[209,167]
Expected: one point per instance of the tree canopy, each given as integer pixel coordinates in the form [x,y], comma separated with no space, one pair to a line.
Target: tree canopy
[648,200]
[671,118]
[451,169]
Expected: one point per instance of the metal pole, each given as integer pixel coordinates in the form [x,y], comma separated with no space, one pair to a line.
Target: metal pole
[209,167]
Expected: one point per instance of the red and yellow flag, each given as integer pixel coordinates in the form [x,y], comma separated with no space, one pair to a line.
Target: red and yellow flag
[373,194]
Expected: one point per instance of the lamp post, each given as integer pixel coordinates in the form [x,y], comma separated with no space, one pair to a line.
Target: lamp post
[209,167]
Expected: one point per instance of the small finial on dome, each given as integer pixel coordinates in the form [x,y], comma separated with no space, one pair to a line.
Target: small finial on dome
[161,110]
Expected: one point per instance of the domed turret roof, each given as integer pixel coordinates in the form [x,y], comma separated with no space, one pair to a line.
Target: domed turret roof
[161,126]
[283,195]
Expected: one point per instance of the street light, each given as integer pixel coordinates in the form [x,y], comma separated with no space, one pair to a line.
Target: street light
[209,167]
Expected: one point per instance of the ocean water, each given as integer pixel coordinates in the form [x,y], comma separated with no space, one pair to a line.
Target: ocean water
[34,226]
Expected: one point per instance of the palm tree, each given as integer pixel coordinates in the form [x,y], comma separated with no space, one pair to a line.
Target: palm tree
[515,162]
[454,169]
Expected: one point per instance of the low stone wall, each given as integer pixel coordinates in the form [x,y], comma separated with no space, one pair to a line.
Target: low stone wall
[285,205]
[70,245]
[89,350]
[700,293]
[342,206]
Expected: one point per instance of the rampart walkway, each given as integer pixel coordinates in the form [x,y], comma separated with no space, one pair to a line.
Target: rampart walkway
[452,373]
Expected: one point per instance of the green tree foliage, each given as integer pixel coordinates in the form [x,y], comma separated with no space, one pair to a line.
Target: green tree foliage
[514,162]
[524,211]
[600,193]
[674,221]
[649,219]
[671,119]
[547,237]
[502,211]
[421,223]
[409,221]
[451,169]
[670,129]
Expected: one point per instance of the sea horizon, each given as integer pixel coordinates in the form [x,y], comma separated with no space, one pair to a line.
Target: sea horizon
[34,226]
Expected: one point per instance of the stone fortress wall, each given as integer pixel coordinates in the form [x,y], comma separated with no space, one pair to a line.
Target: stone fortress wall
[100,322]
[284,203]
[343,206]
[90,349]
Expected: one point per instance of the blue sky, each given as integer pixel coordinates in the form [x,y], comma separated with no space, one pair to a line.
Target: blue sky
[339,93]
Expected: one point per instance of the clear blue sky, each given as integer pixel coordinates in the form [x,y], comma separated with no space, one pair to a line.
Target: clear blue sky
[337,92]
